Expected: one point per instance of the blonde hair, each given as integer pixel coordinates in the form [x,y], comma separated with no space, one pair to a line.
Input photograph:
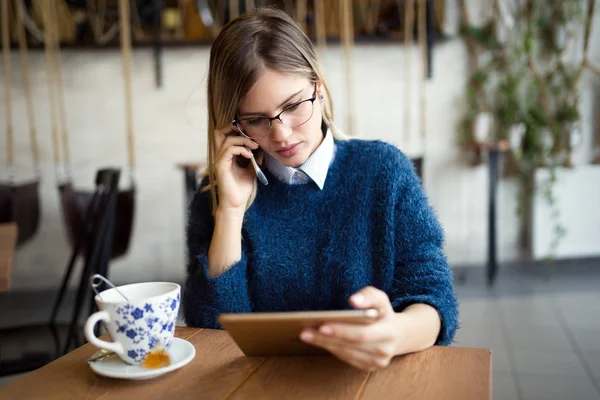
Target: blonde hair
[265,38]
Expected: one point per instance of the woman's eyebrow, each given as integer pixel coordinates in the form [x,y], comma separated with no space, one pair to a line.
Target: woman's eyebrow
[281,105]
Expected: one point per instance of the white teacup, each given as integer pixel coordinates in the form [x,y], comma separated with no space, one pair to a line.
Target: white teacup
[136,326]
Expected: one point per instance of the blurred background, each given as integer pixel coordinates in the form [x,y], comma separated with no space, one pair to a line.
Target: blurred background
[496,101]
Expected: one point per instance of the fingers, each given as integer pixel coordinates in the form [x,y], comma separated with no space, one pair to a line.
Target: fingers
[230,136]
[370,297]
[232,151]
[368,347]
[221,134]
[356,358]
[371,346]
[235,146]
[357,334]
[368,357]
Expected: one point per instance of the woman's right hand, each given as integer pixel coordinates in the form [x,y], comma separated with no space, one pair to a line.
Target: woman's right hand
[234,183]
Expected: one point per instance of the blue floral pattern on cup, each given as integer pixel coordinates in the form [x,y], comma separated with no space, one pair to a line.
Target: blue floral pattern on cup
[146,326]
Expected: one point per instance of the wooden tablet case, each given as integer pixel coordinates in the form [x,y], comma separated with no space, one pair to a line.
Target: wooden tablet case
[278,334]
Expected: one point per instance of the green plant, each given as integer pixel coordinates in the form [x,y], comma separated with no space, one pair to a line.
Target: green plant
[522,76]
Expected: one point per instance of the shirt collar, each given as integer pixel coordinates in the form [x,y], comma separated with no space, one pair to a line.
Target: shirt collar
[315,167]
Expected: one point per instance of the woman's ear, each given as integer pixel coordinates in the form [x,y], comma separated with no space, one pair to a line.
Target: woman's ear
[320,90]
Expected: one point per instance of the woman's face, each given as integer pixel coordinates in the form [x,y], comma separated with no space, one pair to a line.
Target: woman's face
[272,93]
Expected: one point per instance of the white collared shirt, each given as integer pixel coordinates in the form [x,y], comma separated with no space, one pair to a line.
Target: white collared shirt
[315,168]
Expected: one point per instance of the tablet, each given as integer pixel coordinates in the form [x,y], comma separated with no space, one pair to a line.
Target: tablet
[278,333]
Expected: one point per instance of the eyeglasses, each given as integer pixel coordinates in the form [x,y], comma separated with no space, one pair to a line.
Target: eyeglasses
[293,116]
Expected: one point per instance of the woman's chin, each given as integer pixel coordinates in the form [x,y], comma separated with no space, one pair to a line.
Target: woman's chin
[293,164]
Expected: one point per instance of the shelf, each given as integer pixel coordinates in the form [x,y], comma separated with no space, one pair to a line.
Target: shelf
[174,43]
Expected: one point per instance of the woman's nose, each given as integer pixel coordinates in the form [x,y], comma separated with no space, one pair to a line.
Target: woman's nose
[280,131]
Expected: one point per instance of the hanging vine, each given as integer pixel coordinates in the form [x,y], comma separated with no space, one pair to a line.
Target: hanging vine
[524,80]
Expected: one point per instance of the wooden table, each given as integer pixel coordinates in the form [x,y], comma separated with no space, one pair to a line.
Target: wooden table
[221,371]
[8,240]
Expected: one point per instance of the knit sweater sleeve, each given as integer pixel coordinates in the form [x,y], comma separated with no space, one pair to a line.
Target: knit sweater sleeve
[204,297]
[422,274]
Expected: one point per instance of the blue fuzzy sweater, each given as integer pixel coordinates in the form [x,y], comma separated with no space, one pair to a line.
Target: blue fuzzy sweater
[309,249]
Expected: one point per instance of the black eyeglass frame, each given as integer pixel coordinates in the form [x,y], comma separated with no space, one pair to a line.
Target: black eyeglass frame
[278,117]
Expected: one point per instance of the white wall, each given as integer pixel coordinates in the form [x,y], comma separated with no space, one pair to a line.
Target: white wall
[577,194]
[170,128]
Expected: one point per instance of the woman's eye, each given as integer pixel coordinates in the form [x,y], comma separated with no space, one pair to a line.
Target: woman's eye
[293,107]
[255,121]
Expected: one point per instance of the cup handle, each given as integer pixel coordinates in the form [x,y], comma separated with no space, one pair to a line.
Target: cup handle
[88,331]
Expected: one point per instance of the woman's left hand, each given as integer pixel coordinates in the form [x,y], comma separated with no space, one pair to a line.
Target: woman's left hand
[367,347]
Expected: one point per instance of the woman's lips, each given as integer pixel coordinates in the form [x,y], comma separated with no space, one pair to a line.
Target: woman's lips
[289,151]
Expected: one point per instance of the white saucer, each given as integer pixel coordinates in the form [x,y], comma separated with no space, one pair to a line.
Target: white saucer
[181,353]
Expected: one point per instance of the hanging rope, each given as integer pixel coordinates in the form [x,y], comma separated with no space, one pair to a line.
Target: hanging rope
[126,50]
[320,29]
[250,5]
[48,44]
[288,7]
[7,92]
[96,16]
[221,9]
[369,10]
[348,40]
[423,92]
[409,17]
[60,92]
[234,11]
[586,63]
[28,97]
[301,13]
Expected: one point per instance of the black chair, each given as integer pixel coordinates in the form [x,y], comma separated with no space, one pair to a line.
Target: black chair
[97,236]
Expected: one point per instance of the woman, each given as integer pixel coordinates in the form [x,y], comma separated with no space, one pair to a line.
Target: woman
[341,224]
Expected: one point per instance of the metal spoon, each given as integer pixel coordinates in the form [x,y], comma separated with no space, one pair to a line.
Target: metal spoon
[100,355]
